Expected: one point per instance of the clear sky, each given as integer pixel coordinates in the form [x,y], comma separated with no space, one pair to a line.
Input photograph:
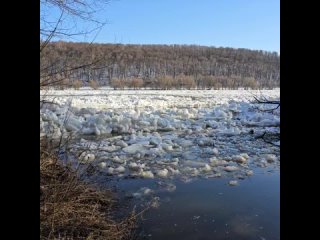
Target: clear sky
[253,24]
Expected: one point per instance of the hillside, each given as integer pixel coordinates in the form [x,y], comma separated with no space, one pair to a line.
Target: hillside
[159,66]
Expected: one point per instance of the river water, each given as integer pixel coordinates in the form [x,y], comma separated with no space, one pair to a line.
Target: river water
[210,208]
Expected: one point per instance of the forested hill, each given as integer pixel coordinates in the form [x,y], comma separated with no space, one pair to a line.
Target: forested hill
[161,66]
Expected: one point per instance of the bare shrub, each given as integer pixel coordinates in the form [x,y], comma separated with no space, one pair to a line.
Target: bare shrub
[94,84]
[250,82]
[218,86]
[62,84]
[208,82]
[77,84]
[116,83]
[186,81]
[165,82]
[137,83]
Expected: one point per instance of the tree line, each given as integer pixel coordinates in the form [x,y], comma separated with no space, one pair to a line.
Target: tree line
[159,66]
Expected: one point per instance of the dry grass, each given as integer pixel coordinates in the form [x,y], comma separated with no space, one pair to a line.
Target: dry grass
[73,209]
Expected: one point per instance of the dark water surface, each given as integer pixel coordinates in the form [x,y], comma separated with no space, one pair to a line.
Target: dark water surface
[210,209]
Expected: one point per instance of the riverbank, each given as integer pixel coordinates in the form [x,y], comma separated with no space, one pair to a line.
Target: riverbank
[73,209]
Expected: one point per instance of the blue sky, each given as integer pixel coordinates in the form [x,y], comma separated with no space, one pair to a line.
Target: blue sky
[253,24]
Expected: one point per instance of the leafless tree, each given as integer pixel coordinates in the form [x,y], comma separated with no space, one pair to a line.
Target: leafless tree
[267,136]
[264,100]
[63,20]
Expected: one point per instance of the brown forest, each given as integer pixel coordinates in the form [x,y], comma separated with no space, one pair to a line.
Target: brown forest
[158,66]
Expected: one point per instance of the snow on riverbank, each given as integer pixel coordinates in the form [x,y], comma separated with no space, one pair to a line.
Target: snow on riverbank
[165,134]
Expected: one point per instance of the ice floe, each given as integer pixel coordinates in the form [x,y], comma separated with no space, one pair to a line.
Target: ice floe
[164,134]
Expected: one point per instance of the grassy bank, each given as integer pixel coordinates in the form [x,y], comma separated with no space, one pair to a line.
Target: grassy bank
[73,209]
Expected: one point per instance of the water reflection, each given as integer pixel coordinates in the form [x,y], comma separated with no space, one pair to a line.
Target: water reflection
[210,209]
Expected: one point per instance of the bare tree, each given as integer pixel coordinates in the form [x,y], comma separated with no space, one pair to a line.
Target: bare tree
[62,20]
[267,136]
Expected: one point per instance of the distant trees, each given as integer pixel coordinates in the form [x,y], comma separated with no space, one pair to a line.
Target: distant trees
[165,66]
